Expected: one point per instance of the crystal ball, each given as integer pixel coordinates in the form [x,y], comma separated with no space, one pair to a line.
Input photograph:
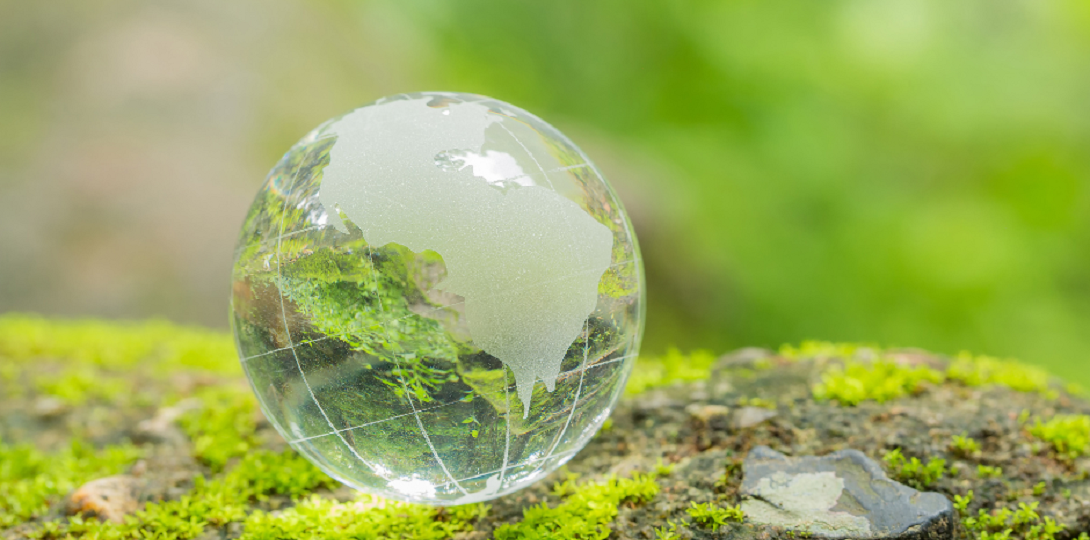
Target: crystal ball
[437,298]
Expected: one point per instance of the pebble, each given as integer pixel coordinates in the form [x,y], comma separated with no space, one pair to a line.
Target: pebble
[161,427]
[49,407]
[110,498]
[842,495]
[706,413]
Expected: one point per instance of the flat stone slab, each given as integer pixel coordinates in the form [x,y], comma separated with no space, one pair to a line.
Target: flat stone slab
[842,495]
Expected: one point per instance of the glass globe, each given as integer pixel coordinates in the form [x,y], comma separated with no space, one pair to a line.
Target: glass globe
[437,298]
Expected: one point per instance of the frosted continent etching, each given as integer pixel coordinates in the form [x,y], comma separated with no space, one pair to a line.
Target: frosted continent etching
[406,276]
[526,260]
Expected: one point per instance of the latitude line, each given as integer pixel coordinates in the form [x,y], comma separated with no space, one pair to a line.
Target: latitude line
[266,353]
[564,375]
[396,416]
[287,331]
[527,462]
[409,398]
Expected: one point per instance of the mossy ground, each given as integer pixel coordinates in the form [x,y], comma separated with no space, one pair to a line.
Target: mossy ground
[169,406]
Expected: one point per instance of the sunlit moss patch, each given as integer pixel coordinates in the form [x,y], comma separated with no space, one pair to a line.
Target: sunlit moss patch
[881,381]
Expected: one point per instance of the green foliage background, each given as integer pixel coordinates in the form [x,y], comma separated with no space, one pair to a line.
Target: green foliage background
[893,171]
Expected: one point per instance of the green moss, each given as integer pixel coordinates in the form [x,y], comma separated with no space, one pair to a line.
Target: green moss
[854,380]
[258,475]
[32,480]
[912,471]
[881,381]
[672,367]
[667,532]
[1022,523]
[1069,434]
[224,427]
[824,349]
[82,361]
[710,516]
[79,384]
[116,345]
[365,518]
[983,370]
[360,301]
[585,514]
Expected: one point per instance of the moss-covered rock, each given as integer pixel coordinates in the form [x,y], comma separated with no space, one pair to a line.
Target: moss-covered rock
[169,408]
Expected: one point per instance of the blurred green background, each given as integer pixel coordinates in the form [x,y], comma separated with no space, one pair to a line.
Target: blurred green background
[890,171]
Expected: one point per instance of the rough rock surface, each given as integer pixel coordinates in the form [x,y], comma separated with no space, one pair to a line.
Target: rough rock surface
[842,495]
[691,427]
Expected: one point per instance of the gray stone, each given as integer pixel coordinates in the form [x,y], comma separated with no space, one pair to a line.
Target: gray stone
[841,495]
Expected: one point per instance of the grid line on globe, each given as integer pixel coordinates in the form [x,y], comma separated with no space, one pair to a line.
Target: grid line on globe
[346,402]
[564,375]
[287,333]
[416,414]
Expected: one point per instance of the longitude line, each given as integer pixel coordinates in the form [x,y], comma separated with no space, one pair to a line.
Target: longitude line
[287,331]
[507,417]
[408,397]
[527,150]
[578,391]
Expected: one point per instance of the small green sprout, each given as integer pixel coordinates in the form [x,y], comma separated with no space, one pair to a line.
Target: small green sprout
[1069,434]
[965,446]
[667,532]
[662,469]
[912,471]
[586,512]
[1003,523]
[961,504]
[987,471]
[1039,489]
[711,516]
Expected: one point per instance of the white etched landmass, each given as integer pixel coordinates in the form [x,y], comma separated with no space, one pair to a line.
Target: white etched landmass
[526,259]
